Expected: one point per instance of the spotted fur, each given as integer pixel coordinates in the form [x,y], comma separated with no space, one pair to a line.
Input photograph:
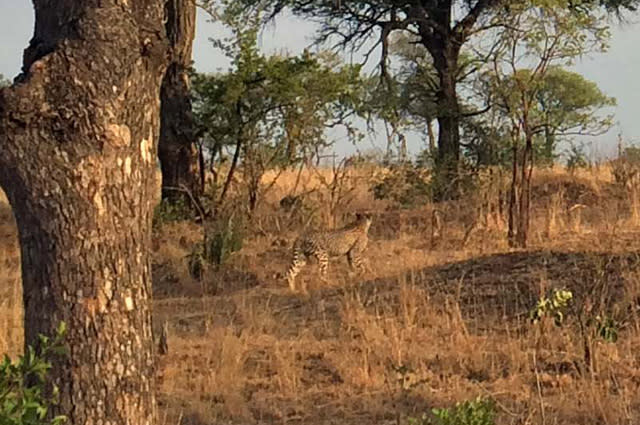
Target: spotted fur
[350,240]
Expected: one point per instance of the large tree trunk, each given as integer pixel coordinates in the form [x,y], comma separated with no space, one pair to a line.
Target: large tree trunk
[177,150]
[443,35]
[78,139]
[445,53]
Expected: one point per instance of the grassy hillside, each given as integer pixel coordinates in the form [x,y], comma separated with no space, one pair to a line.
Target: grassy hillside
[441,315]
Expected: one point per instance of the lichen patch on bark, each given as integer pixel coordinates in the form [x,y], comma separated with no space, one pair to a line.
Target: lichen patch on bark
[128,302]
[97,201]
[146,147]
[127,166]
[118,135]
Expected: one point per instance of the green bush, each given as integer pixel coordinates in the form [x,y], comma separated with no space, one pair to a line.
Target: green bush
[475,412]
[553,306]
[25,395]
[606,328]
[168,211]
[576,157]
[223,238]
[406,184]
[626,168]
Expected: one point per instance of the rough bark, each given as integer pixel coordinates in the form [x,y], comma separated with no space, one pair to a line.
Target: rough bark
[177,150]
[444,47]
[443,36]
[520,192]
[78,136]
[448,128]
[526,169]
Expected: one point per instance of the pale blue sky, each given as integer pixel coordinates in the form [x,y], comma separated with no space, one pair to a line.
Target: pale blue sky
[616,72]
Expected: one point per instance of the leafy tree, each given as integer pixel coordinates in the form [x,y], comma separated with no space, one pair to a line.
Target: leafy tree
[486,140]
[564,104]
[569,105]
[405,99]
[443,28]
[530,90]
[576,157]
[616,6]
[271,111]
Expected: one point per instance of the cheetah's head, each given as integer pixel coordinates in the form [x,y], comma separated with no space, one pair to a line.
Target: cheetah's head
[364,218]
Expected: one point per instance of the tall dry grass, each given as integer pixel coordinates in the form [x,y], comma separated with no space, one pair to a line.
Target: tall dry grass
[441,314]
[432,322]
[11,310]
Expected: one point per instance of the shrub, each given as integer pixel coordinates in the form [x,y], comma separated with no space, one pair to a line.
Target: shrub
[25,395]
[554,306]
[224,237]
[576,157]
[626,168]
[406,184]
[291,202]
[475,412]
[606,328]
[167,211]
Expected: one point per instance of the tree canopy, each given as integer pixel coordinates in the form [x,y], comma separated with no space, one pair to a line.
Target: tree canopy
[273,111]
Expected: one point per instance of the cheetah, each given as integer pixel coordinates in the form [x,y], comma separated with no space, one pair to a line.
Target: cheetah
[350,240]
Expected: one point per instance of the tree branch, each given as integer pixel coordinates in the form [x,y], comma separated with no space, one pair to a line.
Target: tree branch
[463,27]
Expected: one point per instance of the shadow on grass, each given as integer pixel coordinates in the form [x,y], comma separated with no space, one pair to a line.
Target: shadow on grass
[508,285]
[224,280]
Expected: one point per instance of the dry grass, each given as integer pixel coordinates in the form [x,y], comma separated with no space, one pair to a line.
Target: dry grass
[431,322]
[11,337]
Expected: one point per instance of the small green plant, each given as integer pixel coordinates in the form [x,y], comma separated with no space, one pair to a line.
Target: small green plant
[576,157]
[168,211]
[197,262]
[25,395]
[223,239]
[554,306]
[606,328]
[472,412]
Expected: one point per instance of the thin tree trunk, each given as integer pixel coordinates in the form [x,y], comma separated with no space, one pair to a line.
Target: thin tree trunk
[201,166]
[513,194]
[432,138]
[78,160]
[177,150]
[232,170]
[549,147]
[525,191]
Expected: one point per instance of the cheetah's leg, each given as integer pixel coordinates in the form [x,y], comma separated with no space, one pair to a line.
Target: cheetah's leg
[298,262]
[355,261]
[323,263]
